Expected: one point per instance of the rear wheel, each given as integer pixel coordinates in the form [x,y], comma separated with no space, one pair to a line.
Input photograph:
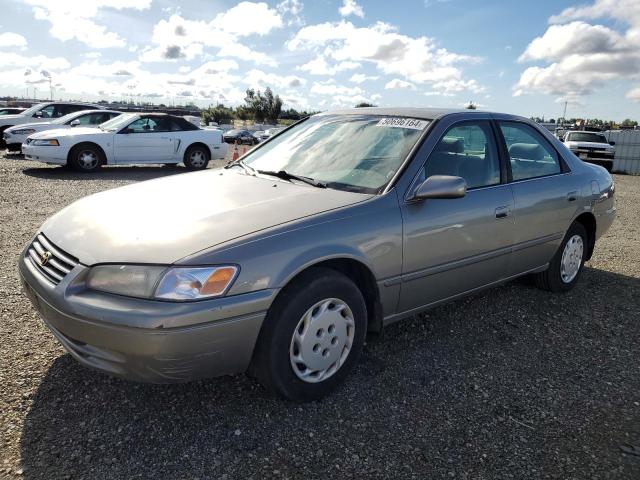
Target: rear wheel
[196,158]
[567,264]
[312,336]
[86,157]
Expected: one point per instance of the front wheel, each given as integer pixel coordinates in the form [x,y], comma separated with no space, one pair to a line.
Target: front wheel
[86,158]
[567,264]
[312,336]
[196,158]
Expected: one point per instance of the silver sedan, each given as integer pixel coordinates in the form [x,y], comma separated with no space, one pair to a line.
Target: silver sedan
[341,224]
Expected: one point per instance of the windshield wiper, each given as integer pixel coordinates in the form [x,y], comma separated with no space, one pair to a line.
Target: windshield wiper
[284,175]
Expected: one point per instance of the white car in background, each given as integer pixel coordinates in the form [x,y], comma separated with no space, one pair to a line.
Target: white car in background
[131,138]
[42,112]
[591,147]
[14,137]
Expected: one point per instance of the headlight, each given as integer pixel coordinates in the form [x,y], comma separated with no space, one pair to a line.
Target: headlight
[195,283]
[45,143]
[24,131]
[179,283]
[131,280]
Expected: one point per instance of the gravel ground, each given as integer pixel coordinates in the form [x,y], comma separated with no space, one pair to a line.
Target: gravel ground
[511,383]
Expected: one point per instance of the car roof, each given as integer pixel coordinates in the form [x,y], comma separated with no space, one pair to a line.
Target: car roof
[583,131]
[415,112]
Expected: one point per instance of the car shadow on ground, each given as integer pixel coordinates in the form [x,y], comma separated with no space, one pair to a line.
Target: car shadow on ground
[134,172]
[507,382]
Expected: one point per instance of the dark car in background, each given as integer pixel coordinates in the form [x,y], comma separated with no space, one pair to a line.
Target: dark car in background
[241,136]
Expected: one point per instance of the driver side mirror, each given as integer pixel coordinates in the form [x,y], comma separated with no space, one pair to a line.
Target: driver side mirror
[612,143]
[75,123]
[38,114]
[126,131]
[441,186]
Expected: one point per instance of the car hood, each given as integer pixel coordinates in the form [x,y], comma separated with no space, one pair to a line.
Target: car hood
[67,132]
[29,125]
[8,118]
[164,220]
[605,146]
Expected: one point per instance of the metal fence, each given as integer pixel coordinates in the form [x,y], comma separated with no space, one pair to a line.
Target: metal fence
[627,157]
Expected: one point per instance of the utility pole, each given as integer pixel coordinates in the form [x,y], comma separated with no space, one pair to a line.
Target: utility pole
[564,113]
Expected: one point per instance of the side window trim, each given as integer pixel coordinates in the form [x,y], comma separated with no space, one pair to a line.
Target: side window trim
[507,158]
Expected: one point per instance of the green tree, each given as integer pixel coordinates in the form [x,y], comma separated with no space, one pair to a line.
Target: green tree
[218,114]
[627,122]
[365,104]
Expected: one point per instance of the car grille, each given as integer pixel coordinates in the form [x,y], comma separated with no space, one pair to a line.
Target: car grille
[49,260]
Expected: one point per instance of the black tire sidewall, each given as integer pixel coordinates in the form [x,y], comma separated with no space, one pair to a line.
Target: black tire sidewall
[284,317]
[189,152]
[555,278]
[76,164]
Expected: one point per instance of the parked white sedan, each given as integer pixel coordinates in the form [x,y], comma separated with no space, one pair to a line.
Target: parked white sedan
[14,137]
[128,139]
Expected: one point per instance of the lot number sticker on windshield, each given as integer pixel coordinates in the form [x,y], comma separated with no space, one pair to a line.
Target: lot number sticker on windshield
[398,122]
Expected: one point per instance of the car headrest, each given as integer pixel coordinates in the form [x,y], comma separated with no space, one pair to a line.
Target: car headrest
[450,145]
[526,151]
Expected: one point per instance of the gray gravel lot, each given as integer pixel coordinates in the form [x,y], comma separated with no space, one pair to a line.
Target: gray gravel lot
[511,383]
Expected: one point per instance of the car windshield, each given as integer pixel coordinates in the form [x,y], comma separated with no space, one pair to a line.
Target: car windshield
[358,153]
[68,117]
[587,137]
[34,109]
[234,132]
[118,122]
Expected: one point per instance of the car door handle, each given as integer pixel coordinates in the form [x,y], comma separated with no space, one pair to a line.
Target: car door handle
[572,196]
[503,212]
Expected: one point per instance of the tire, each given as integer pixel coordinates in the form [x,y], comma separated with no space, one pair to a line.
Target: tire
[554,279]
[196,157]
[322,341]
[86,157]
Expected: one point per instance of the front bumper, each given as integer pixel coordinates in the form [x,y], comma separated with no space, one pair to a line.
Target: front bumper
[46,154]
[13,139]
[148,340]
[591,155]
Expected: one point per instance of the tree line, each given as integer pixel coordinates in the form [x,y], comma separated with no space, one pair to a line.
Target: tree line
[261,107]
[590,122]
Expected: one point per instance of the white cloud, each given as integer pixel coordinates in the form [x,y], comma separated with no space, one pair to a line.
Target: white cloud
[397,84]
[332,89]
[10,39]
[361,78]
[351,7]
[75,20]
[634,94]
[178,38]
[575,38]
[581,57]
[319,66]
[260,79]
[248,18]
[291,12]
[418,60]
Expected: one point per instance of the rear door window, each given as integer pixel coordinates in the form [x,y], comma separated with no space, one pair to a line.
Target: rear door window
[530,155]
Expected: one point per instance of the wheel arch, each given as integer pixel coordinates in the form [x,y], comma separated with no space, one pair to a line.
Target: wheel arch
[196,144]
[105,158]
[588,221]
[361,275]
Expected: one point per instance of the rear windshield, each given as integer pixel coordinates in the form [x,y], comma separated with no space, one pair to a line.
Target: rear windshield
[358,153]
[586,137]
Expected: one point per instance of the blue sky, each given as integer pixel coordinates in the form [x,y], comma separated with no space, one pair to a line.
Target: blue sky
[520,57]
